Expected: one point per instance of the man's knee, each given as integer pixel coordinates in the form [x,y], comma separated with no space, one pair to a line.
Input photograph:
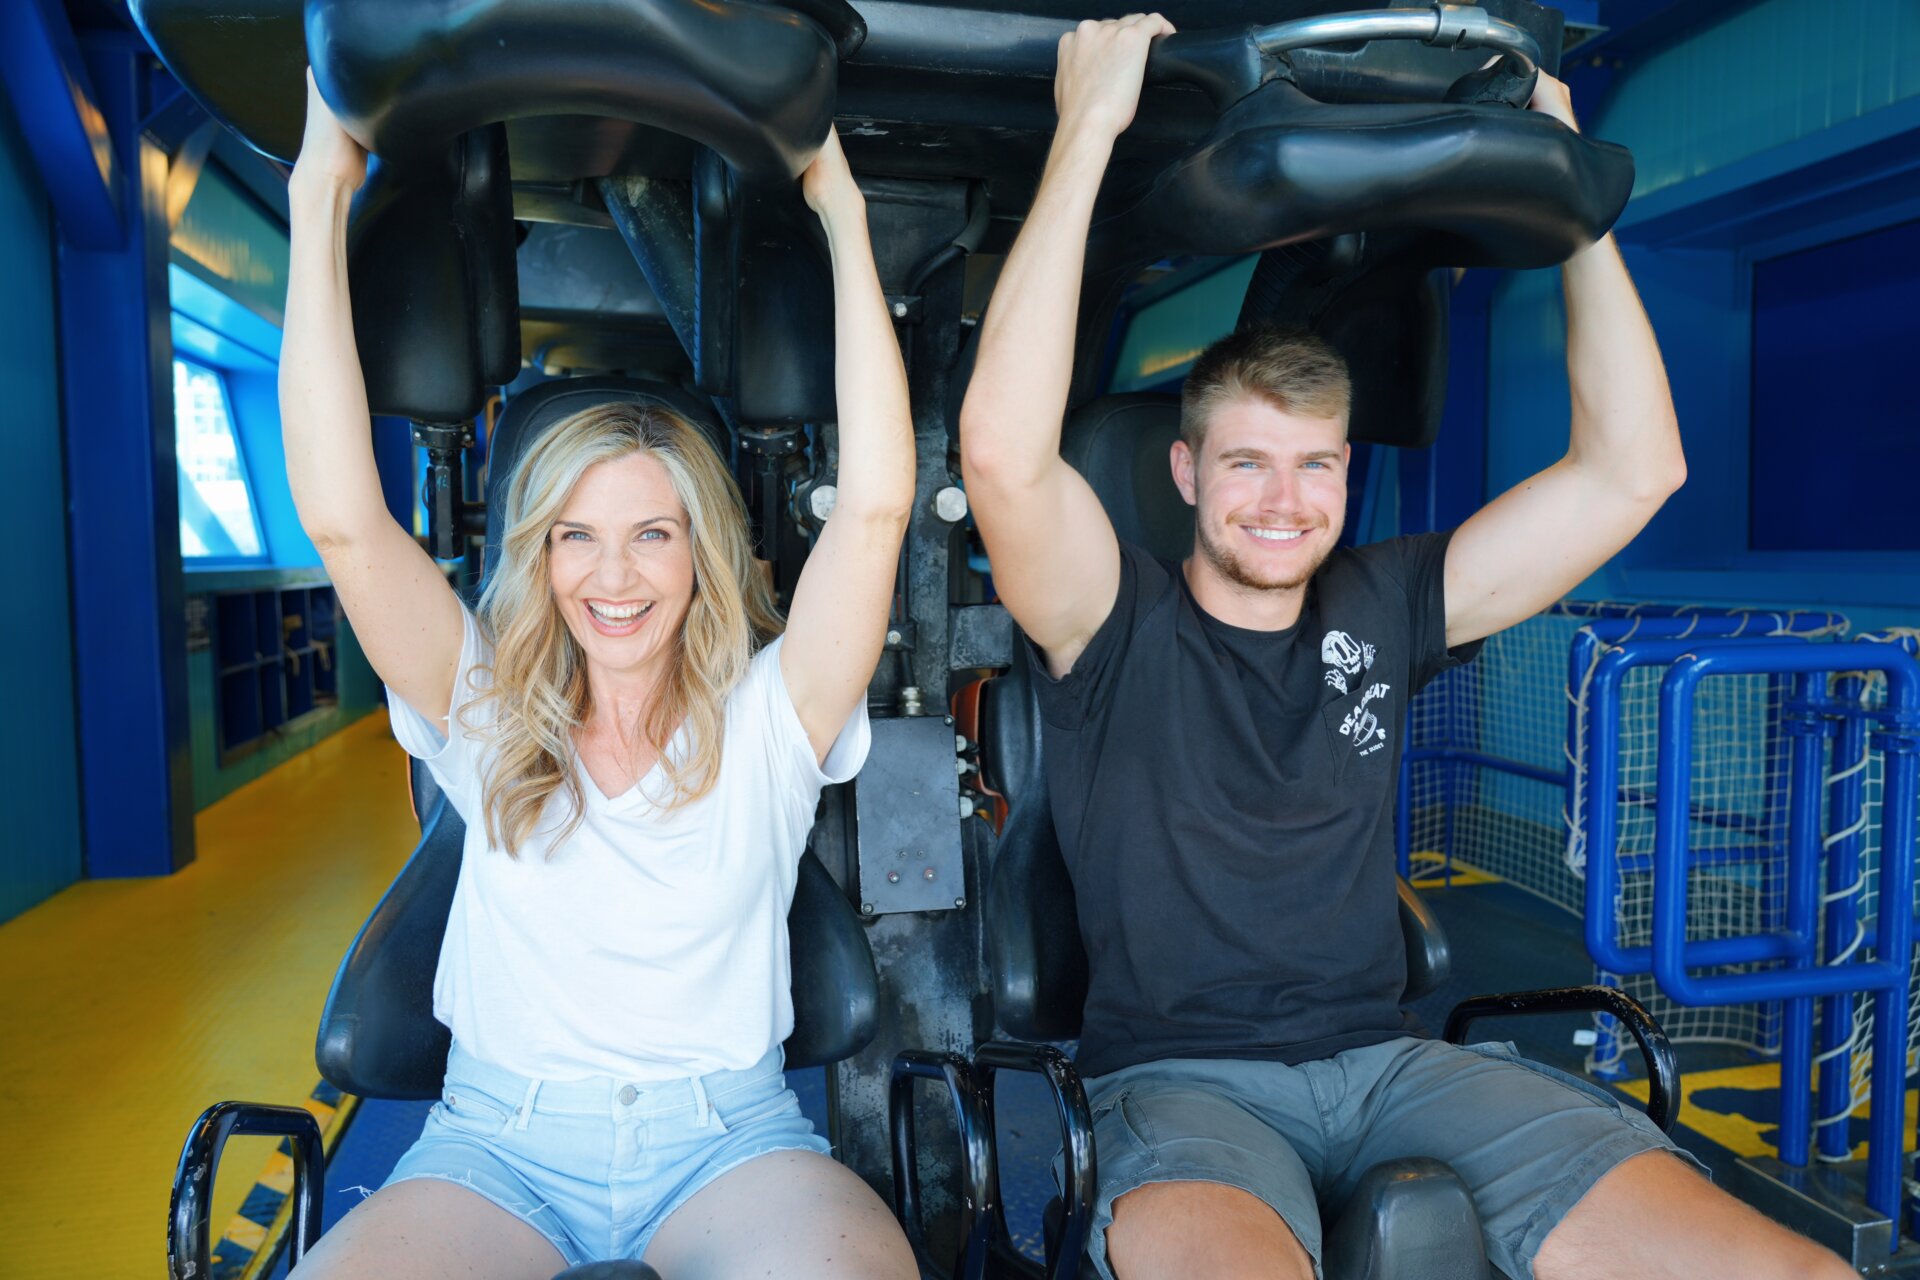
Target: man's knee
[1655,1216]
[1169,1229]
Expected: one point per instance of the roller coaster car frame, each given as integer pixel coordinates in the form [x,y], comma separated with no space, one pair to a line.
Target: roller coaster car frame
[606,187]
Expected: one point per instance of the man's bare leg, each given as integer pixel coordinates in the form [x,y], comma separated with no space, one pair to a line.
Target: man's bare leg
[1653,1217]
[1174,1230]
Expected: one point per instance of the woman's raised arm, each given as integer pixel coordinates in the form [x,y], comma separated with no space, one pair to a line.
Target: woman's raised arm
[838,620]
[404,614]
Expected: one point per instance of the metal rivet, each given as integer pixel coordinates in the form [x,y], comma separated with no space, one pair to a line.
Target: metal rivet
[928,873]
[959,902]
[893,877]
[950,504]
[866,908]
[627,1094]
[893,637]
[899,309]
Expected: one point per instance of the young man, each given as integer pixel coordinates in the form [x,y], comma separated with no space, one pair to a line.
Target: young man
[1222,747]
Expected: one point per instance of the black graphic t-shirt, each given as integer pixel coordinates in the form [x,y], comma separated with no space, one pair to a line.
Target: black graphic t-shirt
[1224,800]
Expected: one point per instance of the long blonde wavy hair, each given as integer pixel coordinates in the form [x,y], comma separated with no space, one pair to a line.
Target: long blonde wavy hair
[540,693]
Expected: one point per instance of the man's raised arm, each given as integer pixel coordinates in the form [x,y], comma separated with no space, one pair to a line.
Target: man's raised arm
[1055,560]
[1540,539]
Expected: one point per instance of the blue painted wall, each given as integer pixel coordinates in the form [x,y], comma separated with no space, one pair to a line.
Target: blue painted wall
[41,853]
[1787,125]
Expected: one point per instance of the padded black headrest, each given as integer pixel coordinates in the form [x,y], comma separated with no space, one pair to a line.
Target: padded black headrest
[436,301]
[533,411]
[1121,445]
[756,82]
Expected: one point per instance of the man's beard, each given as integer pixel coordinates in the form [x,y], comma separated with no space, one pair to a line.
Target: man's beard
[1229,566]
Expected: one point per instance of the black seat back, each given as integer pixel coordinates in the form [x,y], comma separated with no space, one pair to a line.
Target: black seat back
[378,1036]
[1039,967]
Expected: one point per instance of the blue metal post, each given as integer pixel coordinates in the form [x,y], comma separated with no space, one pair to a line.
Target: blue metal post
[1846,807]
[1893,939]
[129,606]
[1803,730]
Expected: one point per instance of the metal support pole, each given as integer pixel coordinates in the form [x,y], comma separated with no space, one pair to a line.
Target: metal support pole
[1845,931]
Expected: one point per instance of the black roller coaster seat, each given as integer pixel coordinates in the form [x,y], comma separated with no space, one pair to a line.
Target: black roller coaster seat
[1409,1218]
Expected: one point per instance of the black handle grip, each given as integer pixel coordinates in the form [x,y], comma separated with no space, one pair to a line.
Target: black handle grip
[1225,63]
[189,1227]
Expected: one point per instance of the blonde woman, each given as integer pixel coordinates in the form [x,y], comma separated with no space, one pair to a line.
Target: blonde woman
[637,751]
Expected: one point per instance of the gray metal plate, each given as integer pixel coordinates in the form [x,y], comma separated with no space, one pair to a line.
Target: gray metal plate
[907,803]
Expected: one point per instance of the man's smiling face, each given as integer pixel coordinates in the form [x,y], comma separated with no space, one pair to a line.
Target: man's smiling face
[1269,490]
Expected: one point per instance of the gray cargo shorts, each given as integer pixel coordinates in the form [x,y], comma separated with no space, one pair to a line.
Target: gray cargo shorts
[1528,1141]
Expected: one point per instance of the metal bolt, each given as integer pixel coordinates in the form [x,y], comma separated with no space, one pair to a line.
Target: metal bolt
[950,504]
[893,635]
[927,874]
[893,877]
[821,501]
[866,908]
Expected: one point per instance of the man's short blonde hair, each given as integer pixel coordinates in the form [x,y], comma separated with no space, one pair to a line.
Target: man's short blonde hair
[1291,369]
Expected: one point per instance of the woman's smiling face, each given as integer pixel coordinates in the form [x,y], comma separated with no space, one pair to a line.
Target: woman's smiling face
[620,563]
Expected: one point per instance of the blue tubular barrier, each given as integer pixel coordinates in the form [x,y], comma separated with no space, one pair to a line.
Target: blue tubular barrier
[1603,774]
[1608,631]
[1889,976]
[1846,805]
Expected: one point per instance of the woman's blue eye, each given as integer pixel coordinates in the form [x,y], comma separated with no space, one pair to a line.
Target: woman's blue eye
[653,534]
[568,535]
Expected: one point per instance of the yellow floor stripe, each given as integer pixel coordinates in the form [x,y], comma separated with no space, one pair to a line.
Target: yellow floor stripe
[131,1005]
[1429,867]
[1744,1101]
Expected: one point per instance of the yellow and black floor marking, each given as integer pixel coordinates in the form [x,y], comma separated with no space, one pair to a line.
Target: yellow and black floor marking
[1429,871]
[1739,1108]
[254,1235]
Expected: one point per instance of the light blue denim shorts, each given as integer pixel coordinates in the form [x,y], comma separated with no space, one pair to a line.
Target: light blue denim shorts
[597,1165]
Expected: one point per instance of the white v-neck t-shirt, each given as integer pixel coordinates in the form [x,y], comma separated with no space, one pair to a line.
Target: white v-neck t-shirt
[649,944]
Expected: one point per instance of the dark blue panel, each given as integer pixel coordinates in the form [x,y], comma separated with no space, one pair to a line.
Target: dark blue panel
[393,457]
[129,609]
[1442,485]
[50,85]
[38,753]
[1834,446]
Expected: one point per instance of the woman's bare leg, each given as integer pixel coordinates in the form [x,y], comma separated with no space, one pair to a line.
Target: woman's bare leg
[430,1229]
[795,1214]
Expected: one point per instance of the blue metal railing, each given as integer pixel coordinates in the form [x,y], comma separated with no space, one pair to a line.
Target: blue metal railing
[1888,977]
